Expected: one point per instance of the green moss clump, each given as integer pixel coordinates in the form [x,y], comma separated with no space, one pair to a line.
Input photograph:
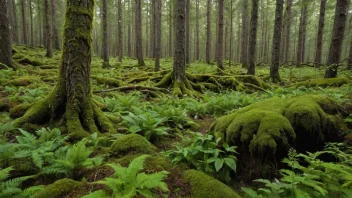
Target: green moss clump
[24,81]
[29,61]
[19,110]
[204,186]
[58,188]
[279,123]
[131,143]
[108,81]
[327,82]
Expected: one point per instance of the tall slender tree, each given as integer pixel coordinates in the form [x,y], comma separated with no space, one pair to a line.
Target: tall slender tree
[244,48]
[24,22]
[197,31]
[220,34]
[138,33]
[157,11]
[171,24]
[5,37]
[39,11]
[105,45]
[48,30]
[253,38]
[31,21]
[188,31]
[119,30]
[319,49]
[302,33]
[231,31]
[72,97]
[152,29]
[54,25]
[275,58]
[208,42]
[287,30]
[337,38]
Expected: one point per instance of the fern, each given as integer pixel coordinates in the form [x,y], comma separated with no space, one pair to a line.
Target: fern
[128,182]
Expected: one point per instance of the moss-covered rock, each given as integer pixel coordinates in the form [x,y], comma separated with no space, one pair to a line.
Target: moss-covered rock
[204,186]
[131,143]
[19,110]
[108,81]
[58,189]
[327,82]
[29,61]
[24,80]
[269,128]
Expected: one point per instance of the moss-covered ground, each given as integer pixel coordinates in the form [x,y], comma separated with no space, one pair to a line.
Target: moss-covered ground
[264,120]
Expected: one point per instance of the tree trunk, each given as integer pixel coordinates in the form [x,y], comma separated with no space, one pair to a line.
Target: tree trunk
[220,34]
[129,46]
[302,34]
[319,48]
[337,38]
[48,30]
[179,66]
[244,57]
[158,13]
[54,22]
[138,29]
[287,30]
[72,96]
[208,42]
[171,27]
[187,17]
[231,32]
[39,11]
[119,30]
[349,64]
[253,38]
[275,58]
[197,31]
[105,45]
[24,22]
[152,30]
[5,37]
[31,21]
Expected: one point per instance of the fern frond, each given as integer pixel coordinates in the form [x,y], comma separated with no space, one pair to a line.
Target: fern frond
[154,180]
[5,173]
[95,194]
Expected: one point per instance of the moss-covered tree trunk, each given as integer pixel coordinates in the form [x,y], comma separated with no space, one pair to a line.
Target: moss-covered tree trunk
[72,96]
[5,36]
[157,11]
[318,51]
[349,64]
[138,33]
[119,31]
[253,38]
[48,30]
[337,38]
[220,35]
[208,42]
[179,65]
[105,45]
[275,58]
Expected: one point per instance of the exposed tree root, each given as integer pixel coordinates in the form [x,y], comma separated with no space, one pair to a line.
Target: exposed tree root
[81,117]
[153,91]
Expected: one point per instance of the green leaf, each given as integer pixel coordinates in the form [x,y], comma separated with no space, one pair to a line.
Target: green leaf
[231,163]
[218,164]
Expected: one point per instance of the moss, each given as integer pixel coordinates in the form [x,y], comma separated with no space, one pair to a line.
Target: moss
[108,81]
[4,105]
[192,126]
[58,189]
[29,61]
[25,81]
[19,110]
[131,143]
[157,163]
[204,186]
[327,82]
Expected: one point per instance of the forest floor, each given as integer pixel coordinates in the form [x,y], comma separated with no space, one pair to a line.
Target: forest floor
[175,126]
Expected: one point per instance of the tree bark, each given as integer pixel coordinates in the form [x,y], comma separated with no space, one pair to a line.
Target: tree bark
[40,23]
[349,64]
[31,21]
[171,27]
[138,29]
[72,96]
[302,34]
[220,34]
[253,38]
[244,57]
[158,12]
[188,31]
[54,22]
[48,30]
[197,31]
[287,30]
[119,31]
[337,38]
[208,42]
[231,32]
[105,45]
[179,65]
[129,45]
[152,30]
[24,22]
[319,48]
[275,58]
[5,36]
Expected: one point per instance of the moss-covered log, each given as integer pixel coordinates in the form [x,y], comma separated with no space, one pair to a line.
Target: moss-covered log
[267,129]
[327,82]
[72,97]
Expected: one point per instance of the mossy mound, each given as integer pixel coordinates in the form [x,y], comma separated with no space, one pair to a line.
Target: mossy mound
[27,61]
[131,143]
[328,82]
[24,81]
[19,110]
[58,189]
[108,81]
[269,128]
[204,186]
[151,164]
